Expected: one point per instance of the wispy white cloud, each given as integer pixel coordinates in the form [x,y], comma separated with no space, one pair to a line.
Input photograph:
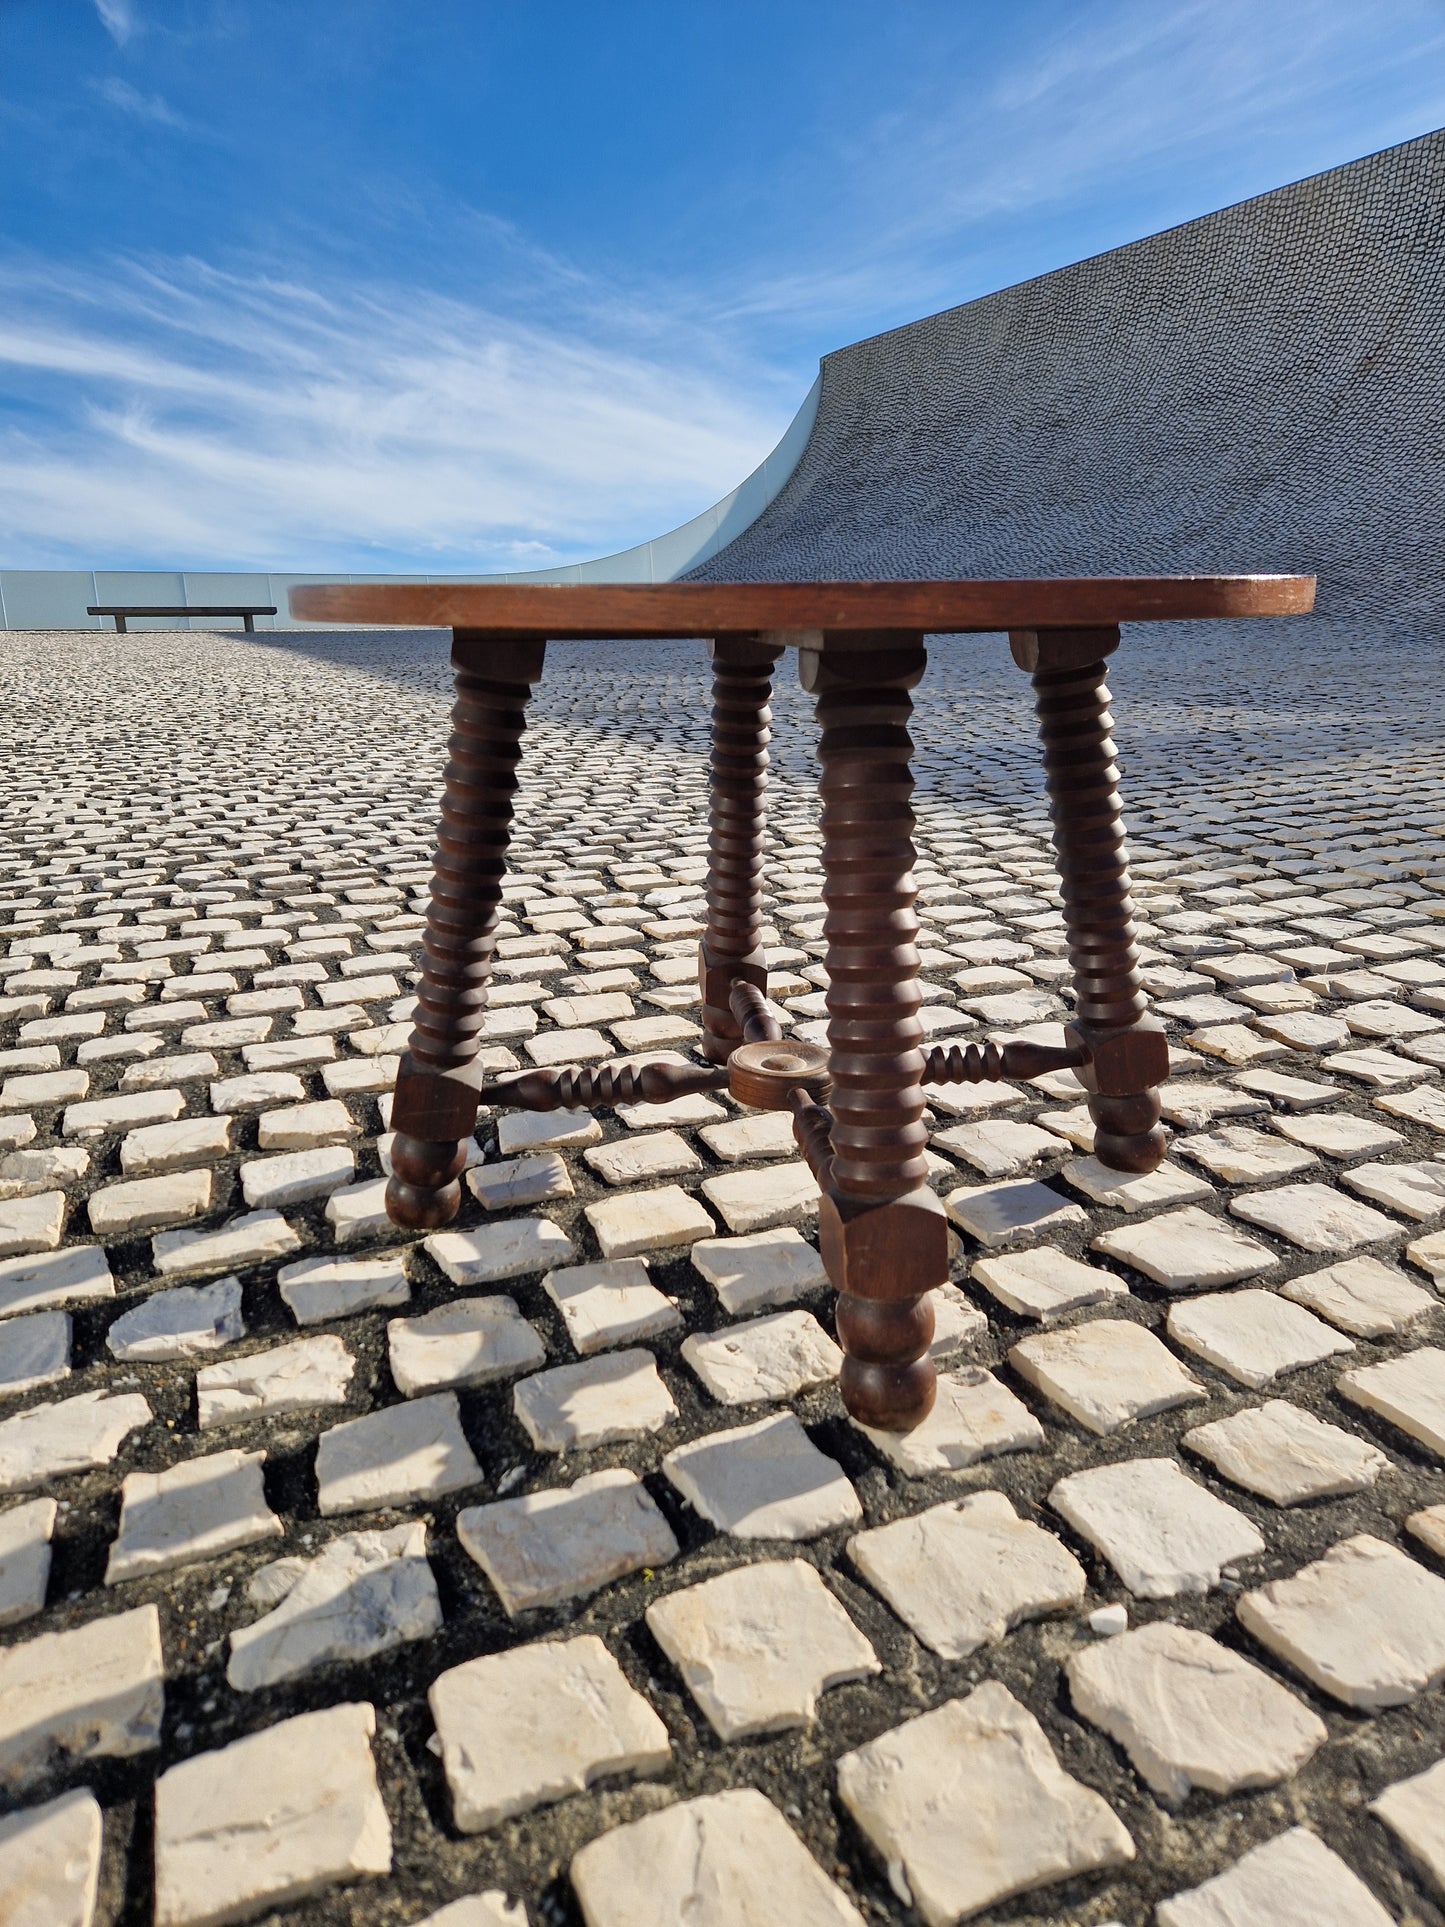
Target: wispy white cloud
[130,100]
[1130,103]
[118,18]
[194,417]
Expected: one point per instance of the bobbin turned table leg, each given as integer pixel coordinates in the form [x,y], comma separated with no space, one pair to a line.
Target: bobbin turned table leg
[732,946]
[883,1235]
[435,1107]
[1129,1054]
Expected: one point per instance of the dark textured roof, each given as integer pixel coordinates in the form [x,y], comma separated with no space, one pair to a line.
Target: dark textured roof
[1260,389]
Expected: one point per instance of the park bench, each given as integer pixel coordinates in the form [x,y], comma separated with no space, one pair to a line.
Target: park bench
[120,610]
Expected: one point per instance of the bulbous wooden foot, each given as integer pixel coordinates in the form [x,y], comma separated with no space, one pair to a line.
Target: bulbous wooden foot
[423,1191]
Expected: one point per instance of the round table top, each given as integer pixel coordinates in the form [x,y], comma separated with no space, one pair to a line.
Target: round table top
[613,611]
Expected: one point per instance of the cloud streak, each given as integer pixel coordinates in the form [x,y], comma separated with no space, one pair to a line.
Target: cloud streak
[118,19]
[130,100]
[199,418]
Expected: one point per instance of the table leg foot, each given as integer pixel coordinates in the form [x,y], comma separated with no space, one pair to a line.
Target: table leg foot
[434,1107]
[1129,1056]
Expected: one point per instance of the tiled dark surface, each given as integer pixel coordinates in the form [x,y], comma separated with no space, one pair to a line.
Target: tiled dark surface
[1260,389]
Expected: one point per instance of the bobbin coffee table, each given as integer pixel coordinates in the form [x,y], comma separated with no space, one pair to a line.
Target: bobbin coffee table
[858,1105]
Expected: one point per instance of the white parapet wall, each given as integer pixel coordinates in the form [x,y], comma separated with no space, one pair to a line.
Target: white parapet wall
[60,598]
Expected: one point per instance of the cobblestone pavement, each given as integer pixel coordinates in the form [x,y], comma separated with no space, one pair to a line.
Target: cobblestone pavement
[345,1575]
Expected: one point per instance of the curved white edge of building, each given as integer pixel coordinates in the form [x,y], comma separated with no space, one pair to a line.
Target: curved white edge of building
[59,598]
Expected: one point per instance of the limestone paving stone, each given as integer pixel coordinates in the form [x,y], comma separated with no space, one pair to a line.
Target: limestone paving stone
[494,1252]
[296,1177]
[1293,1880]
[569,1542]
[641,1221]
[525,1728]
[1105,1372]
[618,1395]
[363,1594]
[1011,1213]
[1382,1069]
[524,1131]
[25,1532]
[32,1223]
[1130,1191]
[1044,1283]
[995,1146]
[519,1181]
[1365,1624]
[970,1803]
[402,1454]
[956,1321]
[1425,1106]
[1362,1296]
[1253,1335]
[974,1417]
[489,1909]
[1238,1154]
[1428,1253]
[773,1357]
[34,1351]
[96,1691]
[50,1862]
[279,1816]
[612,1303]
[1191,1713]
[304,1127]
[1293,1092]
[964,1573]
[764,1481]
[1338,1134]
[76,1275]
[66,1435]
[358,1211]
[119,1211]
[468,1341]
[1187,1250]
[299,1376]
[196,1510]
[779,1194]
[1286,1454]
[762,1134]
[1414,1811]
[317,1290]
[1315,1217]
[634,1160]
[1408,1391]
[1160,1531]
[1414,1190]
[1428,1526]
[758,1646]
[246,1240]
[728,1859]
[753,1273]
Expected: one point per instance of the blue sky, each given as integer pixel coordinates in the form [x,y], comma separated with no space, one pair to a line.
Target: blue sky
[458,285]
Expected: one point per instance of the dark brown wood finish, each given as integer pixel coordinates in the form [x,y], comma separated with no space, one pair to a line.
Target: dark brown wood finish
[732,946]
[883,1235]
[584,612]
[434,1111]
[858,1106]
[1128,1056]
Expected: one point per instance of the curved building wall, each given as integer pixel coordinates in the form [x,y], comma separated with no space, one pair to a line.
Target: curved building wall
[1263,388]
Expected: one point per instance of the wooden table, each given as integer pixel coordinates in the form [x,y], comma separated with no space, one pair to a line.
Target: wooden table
[858,1106]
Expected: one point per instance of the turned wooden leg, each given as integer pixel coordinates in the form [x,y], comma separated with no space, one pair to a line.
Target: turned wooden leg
[434,1111]
[883,1234]
[732,946]
[1129,1057]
